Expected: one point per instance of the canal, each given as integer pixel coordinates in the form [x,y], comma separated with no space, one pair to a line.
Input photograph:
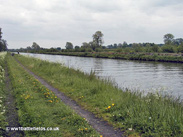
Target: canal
[135,75]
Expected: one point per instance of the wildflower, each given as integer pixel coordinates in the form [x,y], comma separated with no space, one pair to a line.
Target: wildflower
[109,107]
[130,129]
[86,128]
[112,104]
[101,136]
[80,129]
[50,101]
[150,118]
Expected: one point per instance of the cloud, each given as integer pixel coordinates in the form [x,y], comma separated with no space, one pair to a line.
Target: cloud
[53,23]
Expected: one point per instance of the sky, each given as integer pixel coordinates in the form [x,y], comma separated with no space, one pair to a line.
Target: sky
[52,23]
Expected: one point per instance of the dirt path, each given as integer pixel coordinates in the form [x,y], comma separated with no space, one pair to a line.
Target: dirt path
[98,124]
[12,116]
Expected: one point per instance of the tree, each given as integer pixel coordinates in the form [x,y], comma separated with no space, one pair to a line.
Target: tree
[125,44]
[3,43]
[120,45]
[115,45]
[155,48]
[178,41]
[58,48]
[98,39]
[69,45]
[168,38]
[35,46]
[85,45]
[76,47]
[0,34]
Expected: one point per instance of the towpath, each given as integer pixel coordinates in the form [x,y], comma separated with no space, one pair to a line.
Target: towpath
[97,123]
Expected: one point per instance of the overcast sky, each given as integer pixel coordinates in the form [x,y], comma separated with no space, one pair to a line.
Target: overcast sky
[51,23]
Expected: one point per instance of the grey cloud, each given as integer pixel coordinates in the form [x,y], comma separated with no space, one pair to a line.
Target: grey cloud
[58,21]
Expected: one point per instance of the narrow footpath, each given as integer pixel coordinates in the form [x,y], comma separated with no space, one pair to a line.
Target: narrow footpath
[12,115]
[97,123]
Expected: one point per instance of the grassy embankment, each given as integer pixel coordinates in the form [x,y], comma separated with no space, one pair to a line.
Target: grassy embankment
[39,107]
[2,93]
[162,57]
[153,115]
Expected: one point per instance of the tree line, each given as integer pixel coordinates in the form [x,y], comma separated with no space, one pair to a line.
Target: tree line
[171,45]
[3,43]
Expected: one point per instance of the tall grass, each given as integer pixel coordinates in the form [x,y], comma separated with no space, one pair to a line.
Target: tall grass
[2,94]
[39,107]
[151,115]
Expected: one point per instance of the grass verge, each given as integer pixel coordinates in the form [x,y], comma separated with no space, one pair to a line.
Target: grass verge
[2,94]
[151,115]
[39,107]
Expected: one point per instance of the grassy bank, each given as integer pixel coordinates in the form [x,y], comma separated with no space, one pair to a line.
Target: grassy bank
[162,57]
[39,107]
[2,94]
[152,115]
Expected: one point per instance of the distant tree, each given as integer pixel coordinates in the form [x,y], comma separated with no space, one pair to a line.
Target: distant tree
[155,48]
[85,45]
[120,45]
[0,34]
[35,46]
[178,41]
[3,43]
[93,45]
[168,48]
[110,46]
[76,47]
[98,39]
[69,45]
[53,50]
[58,48]
[3,46]
[168,38]
[115,45]
[180,48]
[125,44]
[29,48]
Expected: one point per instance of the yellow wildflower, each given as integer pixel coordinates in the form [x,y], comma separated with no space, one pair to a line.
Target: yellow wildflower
[50,101]
[109,107]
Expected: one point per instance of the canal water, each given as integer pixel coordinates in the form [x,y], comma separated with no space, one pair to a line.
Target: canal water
[135,75]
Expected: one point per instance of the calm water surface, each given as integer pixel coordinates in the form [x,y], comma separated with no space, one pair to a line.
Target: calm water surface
[136,75]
